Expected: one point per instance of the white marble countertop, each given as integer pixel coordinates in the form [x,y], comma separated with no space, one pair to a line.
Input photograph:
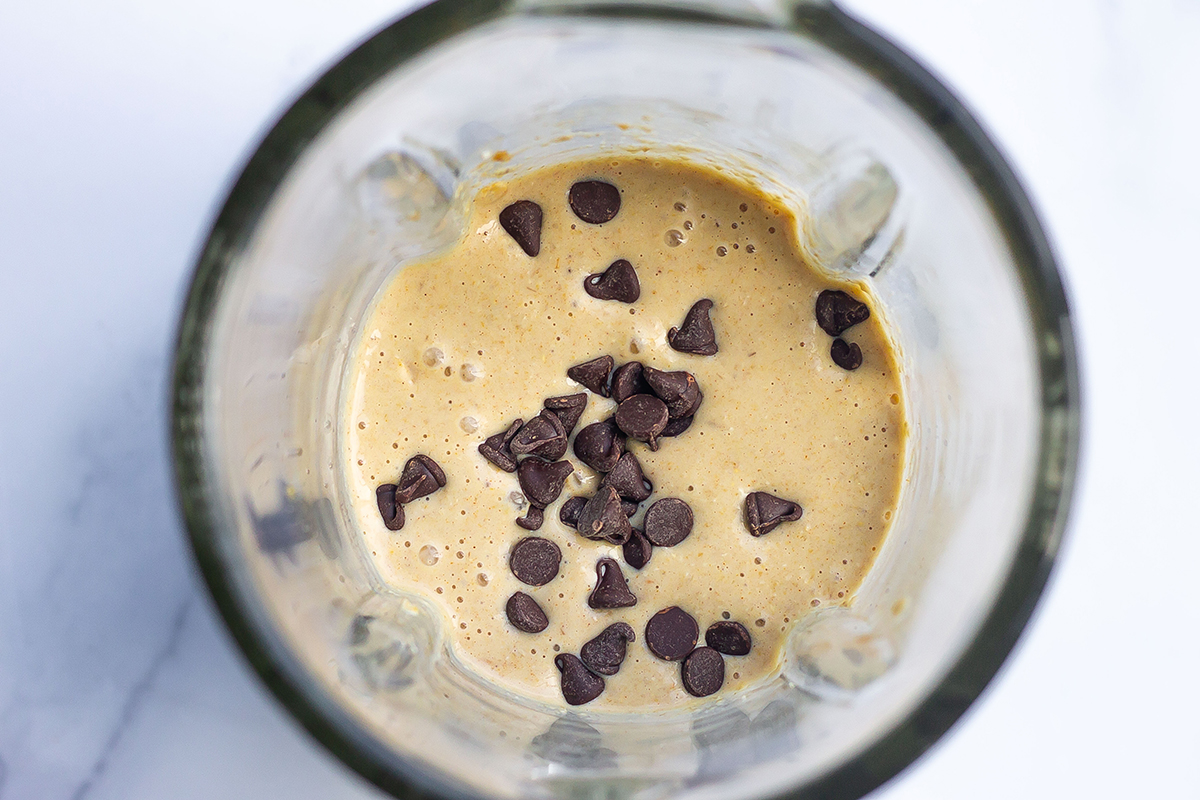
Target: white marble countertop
[120,125]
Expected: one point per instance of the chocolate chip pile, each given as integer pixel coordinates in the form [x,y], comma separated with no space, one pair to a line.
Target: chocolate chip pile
[651,405]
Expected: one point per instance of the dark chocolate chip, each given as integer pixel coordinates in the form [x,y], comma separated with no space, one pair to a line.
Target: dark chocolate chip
[678,390]
[534,560]
[544,436]
[391,511]
[764,512]
[627,381]
[696,334]
[568,514]
[523,221]
[703,672]
[593,374]
[595,202]
[569,409]
[668,522]
[643,417]
[432,467]
[496,448]
[542,481]
[730,638]
[628,479]
[637,550]
[599,445]
[604,654]
[603,518]
[618,282]
[533,519]
[629,508]
[421,476]
[612,591]
[672,633]
[525,614]
[676,426]
[837,311]
[848,356]
[579,686]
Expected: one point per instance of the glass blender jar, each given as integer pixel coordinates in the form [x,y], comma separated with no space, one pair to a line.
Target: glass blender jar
[898,186]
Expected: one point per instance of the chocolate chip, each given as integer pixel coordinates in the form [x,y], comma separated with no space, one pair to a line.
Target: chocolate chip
[637,550]
[534,560]
[837,311]
[618,282]
[676,426]
[568,514]
[678,390]
[525,614]
[533,519]
[599,445]
[764,512]
[544,436]
[628,479]
[730,638]
[421,476]
[703,672]
[569,409]
[696,334]
[523,221]
[542,481]
[594,201]
[629,508]
[603,518]
[579,686]
[627,381]
[611,590]
[846,356]
[496,448]
[604,654]
[671,633]
[391,511]
[668,522]
[432,467]
[643,417]
[593,374]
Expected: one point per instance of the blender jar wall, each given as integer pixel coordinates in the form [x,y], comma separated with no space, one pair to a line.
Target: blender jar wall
[272,321]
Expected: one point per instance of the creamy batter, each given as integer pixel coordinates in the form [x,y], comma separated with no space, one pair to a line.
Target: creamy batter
[459,345]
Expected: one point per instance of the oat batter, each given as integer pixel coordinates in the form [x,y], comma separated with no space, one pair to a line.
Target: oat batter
[461,344]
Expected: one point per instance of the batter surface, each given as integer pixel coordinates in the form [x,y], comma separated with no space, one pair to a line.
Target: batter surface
[459,345]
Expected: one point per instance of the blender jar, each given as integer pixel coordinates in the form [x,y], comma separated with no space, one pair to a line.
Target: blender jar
[898,187]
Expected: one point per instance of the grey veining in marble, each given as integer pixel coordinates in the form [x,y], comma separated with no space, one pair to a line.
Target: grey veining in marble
[134,700]
[118,139]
